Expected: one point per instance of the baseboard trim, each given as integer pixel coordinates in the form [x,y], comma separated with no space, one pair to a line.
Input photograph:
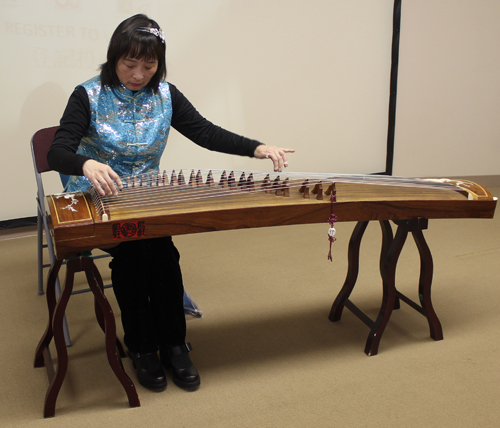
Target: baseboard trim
[18,222]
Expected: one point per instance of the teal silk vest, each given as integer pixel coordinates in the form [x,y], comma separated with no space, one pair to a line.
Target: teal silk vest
[128,131]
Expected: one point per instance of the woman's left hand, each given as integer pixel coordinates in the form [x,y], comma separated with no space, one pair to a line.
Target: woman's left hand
[276,154]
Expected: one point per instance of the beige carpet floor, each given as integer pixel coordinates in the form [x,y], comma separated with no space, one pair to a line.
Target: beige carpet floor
[266,351]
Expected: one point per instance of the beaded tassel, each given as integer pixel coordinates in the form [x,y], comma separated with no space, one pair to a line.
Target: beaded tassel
[331,232]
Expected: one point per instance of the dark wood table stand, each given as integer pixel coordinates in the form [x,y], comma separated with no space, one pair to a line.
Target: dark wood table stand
[391,249]
[105,318]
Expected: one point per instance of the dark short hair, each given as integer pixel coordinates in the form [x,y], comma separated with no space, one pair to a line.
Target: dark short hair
[129,39]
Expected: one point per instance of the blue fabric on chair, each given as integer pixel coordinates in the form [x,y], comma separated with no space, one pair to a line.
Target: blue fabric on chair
[64,179]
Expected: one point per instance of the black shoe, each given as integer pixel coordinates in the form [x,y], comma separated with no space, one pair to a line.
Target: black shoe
[184,373]
[149,371]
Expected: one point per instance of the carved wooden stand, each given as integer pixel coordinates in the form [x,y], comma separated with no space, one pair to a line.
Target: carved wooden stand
[105,317]
[391,249]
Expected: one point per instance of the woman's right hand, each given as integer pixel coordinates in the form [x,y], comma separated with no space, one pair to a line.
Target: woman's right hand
[106,181]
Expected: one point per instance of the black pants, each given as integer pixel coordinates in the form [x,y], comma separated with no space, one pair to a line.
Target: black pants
[147,282]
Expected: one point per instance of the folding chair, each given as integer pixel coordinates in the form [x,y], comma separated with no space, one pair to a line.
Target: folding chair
[40,145]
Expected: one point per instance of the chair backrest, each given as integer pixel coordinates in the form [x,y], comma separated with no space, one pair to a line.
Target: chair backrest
[40,145]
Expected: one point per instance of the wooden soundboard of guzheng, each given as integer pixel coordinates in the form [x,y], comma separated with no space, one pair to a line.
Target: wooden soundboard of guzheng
[156,205]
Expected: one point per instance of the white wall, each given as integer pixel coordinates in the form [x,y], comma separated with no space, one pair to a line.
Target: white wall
[307,74]
[448,111]
[312,75]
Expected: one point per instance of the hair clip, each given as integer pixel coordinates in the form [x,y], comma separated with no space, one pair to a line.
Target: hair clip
[155,31]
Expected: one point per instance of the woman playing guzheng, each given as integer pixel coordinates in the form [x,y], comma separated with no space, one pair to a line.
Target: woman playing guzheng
[117,124]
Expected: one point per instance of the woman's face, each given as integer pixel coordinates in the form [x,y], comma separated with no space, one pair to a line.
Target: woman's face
[135,73]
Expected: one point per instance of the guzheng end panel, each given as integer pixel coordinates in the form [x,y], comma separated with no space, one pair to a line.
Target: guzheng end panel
[70,216]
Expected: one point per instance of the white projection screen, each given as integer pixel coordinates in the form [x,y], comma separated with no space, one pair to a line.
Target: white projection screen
[312,75]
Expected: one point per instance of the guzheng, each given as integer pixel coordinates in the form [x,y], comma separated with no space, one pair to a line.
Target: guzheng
[162,204]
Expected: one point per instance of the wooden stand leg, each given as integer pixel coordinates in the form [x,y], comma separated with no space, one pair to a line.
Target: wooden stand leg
[387,240]
[59,341]
[54,329]
[96,285]
[389,292]
[97,306]
[352,272]
[51,304]
[424,287]
[391,250]
[342,298]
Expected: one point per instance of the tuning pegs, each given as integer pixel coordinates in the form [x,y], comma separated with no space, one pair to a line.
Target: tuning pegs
[305,189]
[223,180]
[231,180]
[199,179]
[266,184]
[277,186]
[242,184]
[210,179]
[192,178]
[286,188]
[180,179]
[250,183]
[318,191]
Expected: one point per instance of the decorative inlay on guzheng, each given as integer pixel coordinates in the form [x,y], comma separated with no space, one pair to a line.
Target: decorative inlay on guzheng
[175,203]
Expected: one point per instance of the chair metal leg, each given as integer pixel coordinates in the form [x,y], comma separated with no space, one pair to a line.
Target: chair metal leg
[40,253]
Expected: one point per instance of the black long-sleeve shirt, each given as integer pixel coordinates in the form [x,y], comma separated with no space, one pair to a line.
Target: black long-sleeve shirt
[62,156]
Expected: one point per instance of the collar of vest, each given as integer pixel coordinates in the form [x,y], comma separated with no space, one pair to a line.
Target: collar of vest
[126,94]
[121,92]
